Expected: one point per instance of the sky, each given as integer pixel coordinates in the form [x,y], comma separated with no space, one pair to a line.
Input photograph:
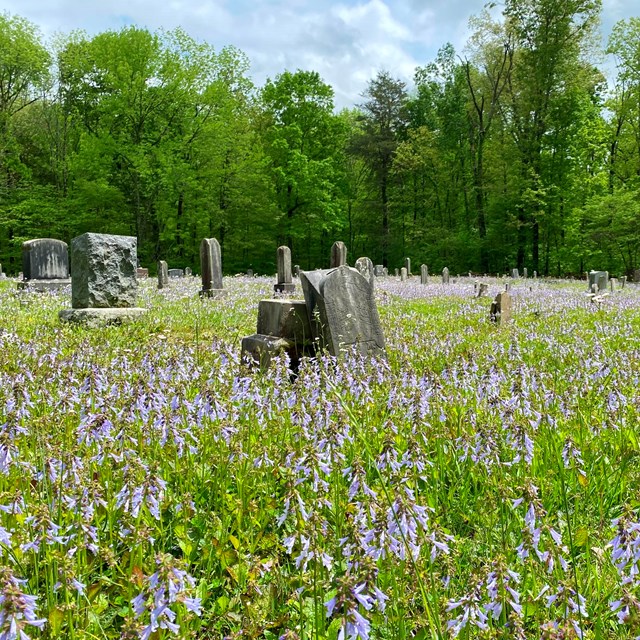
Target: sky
[346,41]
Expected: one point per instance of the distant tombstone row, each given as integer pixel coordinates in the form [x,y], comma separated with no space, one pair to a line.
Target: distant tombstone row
[45,264]
[338,312]
[104,280]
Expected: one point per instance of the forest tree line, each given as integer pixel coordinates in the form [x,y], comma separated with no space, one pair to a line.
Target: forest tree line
[513,152]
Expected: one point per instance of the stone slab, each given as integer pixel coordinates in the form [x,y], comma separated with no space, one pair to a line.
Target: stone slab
[44,285]
[288,319]
[102,316]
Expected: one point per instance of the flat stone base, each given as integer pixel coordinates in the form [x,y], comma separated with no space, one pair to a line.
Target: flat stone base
[213,293]
[44,285]
[284,287]
[101,317]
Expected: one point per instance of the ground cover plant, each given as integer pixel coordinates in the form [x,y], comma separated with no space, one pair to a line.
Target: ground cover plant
[482,482]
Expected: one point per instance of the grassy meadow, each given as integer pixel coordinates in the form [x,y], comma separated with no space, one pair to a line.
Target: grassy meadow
[482,482]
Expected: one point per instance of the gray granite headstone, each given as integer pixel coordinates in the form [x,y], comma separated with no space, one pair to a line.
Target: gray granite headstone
[103,271]
[623,281]
[515,273]
[424,274]
[365,267]
[407,265]
[211,267]
[142,272]
[45,259]
[175,273]
[284,278]
[403,274]
[385,271]
[296,270]
[342,310]
[163,274]
[445,275]
[378,271]
[636,275]
[338,254]
[525,273]
[600,278]
[501,309]
[535,274]
[396,272]
[188,271]
[483,289]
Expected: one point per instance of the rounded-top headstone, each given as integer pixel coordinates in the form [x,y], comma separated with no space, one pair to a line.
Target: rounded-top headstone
[45,259]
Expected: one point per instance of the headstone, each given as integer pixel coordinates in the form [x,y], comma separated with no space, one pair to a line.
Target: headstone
[163,274]
[445,275]
[296,270]
[188,272]
[385,272]
[396,272]
[104,285]
[515,273]
[525,273]
[600,278]
[535,274]
[507,286]
[342,310]
[623,281]
[211,267]
[378,271]
[284,282]
[45,264]
[636,275]
[501,309]
[338,254]
[594,289]
[613,284]
[365,267]
[175,273]
[249,273]
[424,274]
[483,290]
[407,265]
[141,272]
[403,274]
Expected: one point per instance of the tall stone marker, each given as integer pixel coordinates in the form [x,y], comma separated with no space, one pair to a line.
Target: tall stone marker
[104,284]
[424,274]
[163,274]
[403,274]
[342,310]
[285,280]
[378,271]
[365,267]
[211,267]
[515,273]
[445,275]
[338,254]
[45,264]
[407,265]
[500,312]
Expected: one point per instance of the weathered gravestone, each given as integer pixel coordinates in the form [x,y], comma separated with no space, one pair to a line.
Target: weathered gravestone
[249,273]
[211,267]
[525,273]
[500,311]
[385,271]
[515,273]
[424,274]
[104,284]
[445,275]
[188,272]
[365,267]
[2,275]
[175,273]
[396,272]
[407,265]
[163,274]
[403,274]
[296,270]
[342,311]
[378,271]
[623,281]
[338,254]
[483,289]
[284,282]
[283,326]
[636,275]
[613,284]
[599,278]
[141,272]
[535,274]
[45,264]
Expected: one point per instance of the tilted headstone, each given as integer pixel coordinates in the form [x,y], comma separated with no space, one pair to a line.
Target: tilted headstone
[623,281]
[284,278]
[424,274]
[515,273]
[403,274]
[445,275]
[378,271]
[338,254]
[104,283]
[483,289]
[175,273]
[613,284]
[211,267]
[501,308]
[163,274]
[365,267]
[525,273]
[342,310]
[407,265]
